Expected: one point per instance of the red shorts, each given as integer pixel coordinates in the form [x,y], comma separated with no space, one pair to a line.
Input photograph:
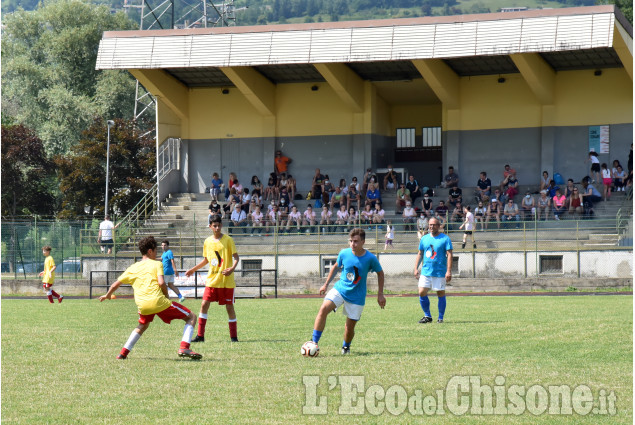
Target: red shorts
[224,296]
[46,285]
[175,311]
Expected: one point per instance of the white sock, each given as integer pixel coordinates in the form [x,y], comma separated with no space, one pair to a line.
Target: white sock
[134,337]
[203,316]
[187,333]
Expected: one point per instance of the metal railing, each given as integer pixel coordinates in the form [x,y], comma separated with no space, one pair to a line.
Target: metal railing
[169,156]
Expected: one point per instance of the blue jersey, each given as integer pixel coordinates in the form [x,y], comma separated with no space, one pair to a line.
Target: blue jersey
[434,249]
[352,283]
[167,258]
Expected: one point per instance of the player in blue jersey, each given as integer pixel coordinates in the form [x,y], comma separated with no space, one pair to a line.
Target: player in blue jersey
[435,249]
[169,269]
[350,289]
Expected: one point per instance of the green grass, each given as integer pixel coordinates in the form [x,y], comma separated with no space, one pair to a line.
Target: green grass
[59,367]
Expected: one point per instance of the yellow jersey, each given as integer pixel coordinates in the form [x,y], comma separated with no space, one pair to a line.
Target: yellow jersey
[144,278]
[49,273]
[220,255]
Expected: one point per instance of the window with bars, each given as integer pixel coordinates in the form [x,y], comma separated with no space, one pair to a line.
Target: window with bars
[327,265]
[431,137]
[248,265]
[405,137]
[550,264]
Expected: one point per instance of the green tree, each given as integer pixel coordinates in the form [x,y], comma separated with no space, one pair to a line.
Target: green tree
[49,79]
[82,175]
[27,184]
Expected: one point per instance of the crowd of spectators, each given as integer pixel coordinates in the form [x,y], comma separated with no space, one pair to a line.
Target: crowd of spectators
[334,206]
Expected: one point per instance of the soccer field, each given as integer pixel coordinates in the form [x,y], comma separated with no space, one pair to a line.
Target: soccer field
[59,366]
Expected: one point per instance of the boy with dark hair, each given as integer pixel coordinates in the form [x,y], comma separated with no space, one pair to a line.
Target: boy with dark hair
[350,290]
[169,269]
[48,275]
[218,251]
[151,297]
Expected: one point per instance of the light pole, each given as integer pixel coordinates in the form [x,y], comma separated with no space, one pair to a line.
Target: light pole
[110,124]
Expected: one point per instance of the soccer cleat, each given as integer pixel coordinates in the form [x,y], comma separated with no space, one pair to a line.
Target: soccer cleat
[198,338]
[59,300]
[121,357]
[190,354]
[463,245]
[425,319]
[474,246]
[234,339]
[346,350]
[440,321]
[181,298]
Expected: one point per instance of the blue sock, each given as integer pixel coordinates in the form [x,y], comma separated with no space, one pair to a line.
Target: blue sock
[345,344]
[442,302]
[425,305]
[316,336]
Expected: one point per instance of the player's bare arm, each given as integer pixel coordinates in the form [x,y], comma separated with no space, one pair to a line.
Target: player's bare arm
[176,272]
[111,291]
[230,270]
[332,273]
[191,271]
[448,273]
[417,262]
[381,300]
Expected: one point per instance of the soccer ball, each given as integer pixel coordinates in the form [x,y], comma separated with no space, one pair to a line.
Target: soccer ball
[310,349]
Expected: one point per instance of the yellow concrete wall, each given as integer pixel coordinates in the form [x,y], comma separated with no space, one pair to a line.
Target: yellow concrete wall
[417,116]
[169,123]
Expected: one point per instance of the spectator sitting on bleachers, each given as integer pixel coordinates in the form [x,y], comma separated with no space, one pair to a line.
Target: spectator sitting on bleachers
[575,203]
[403,197]
[511,185]
[217,185]
[458,215]
[559,204]
[544,205]
[230,183]
[281,162]
[238,218]
[372,195]
[498,195]
[483,186]
[619,179]
[451,178]
[494,211]
[353,196]
[257,220]
[441,213]
[480,214]
[295,219]
[379,213]
[568,190]
[367,215]
[342,217]
[238,187]
[551,189]
[287,199]
[353,218]
[215,208]
[343,186]
[245,199]
[337,199]
[283,181]
[283,207]
[308,217]
[413,186]
[232,200]
[316,184]
[544,180]
[291,186]
[325,217]
[455,195]
[528,206]
[355,183]
[511,212]
[422,225]
[328,189]
[390,179]
[256,186]
[426,205]
[590,195]
[274,218]
[271,191]
[369,177]
[508,171]
[409,215]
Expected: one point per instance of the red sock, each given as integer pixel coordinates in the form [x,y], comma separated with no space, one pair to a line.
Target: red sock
[55,294]
[185,345]
[201,326]
[124,352]
[233,332]
[51,298]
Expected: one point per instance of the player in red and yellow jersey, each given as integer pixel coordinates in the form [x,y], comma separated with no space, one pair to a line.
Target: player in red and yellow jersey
[48,275]
[151,297]
[220,253]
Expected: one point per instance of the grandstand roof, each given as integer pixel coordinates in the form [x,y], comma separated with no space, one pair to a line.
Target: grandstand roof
[377,50]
